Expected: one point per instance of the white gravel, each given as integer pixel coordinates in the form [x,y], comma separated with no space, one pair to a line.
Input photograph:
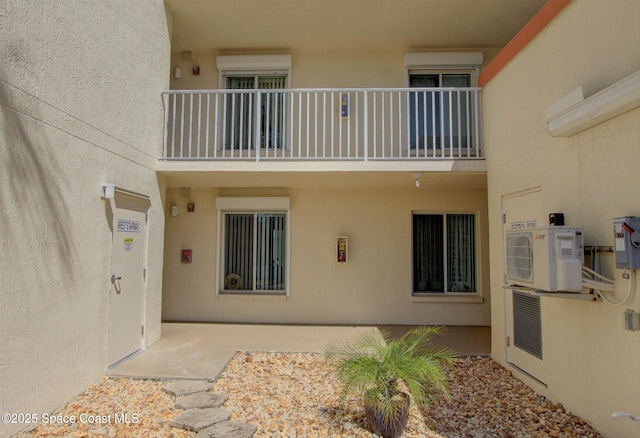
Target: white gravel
[293,395]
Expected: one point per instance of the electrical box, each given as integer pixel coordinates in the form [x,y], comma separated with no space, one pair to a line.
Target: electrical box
[547,259]
[626,235]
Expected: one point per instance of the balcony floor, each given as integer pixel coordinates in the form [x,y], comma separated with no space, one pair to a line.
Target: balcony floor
[434,174]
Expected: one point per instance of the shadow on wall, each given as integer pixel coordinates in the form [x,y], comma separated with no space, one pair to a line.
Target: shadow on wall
[35,223]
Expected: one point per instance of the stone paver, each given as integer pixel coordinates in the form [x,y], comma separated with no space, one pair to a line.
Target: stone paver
[198,419]
[203,413]
[185,387]
[201,400]
[228,429]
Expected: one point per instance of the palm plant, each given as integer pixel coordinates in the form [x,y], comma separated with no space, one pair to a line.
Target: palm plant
[375,367]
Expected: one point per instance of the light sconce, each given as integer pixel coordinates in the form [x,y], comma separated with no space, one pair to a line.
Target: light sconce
[107,190]
[177,73]
[415,176]
[174,210]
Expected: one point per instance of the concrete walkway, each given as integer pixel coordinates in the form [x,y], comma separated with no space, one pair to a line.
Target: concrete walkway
[202,350]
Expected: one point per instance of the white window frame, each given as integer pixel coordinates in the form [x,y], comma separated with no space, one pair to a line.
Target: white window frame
[442,144]
[225,205]
[416,63]
[446,295]
[257,66]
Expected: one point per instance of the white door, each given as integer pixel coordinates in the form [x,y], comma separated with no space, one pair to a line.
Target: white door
[523,209]
[126,292]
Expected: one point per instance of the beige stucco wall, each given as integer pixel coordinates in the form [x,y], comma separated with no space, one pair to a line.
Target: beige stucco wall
[590,361]
[79,105]
[374,287]
[318,69]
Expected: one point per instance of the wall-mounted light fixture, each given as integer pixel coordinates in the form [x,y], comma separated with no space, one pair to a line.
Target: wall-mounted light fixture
[107,190]
[415,176]
[177,74]
[174,210]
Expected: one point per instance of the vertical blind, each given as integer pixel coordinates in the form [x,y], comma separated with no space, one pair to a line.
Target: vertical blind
[241,122]
[461,250]
[255,250]
[444,253]
[428,253]
[238,249]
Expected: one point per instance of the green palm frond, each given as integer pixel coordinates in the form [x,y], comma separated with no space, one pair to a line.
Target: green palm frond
[372,365]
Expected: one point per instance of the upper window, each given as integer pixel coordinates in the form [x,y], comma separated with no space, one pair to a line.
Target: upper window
[255,119]
[255,113]
[444,253]
[440,119]
[441,113]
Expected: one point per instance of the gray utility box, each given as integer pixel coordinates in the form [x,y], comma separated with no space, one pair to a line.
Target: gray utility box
[626,236]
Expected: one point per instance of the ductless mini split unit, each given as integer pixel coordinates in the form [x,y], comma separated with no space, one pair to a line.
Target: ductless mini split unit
[546,259]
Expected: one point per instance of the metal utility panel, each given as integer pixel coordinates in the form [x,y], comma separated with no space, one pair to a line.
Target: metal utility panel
[626,234]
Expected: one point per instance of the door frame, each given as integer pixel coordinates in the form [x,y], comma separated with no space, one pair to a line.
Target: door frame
[139,204]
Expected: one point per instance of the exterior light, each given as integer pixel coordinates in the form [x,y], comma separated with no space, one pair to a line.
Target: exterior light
[107,190]
[416,175]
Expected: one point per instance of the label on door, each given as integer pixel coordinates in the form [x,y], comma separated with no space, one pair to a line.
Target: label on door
[127,226]
[128,244]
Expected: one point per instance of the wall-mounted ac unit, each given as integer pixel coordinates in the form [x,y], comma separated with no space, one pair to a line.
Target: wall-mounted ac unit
[547,259]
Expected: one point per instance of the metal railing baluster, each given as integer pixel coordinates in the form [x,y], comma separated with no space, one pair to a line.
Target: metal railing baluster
[328,124]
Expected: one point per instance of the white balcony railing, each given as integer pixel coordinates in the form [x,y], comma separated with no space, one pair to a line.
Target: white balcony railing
[322,124]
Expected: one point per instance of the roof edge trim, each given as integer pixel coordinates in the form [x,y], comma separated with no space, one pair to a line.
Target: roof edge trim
[537,23]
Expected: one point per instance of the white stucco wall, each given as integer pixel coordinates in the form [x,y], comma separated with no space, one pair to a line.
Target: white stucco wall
[79,105]
[590,362]
[374,287]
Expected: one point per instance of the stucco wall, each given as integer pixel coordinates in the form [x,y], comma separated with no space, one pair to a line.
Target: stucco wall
[318,69]
[79,105]
[590,361]
[374,287]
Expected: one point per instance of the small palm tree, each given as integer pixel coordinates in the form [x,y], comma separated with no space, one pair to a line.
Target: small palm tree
[373,366]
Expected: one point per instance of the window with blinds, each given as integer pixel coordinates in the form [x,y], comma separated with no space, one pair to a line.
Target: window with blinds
[444,253]
[439,119]
[254,252]
[255,119]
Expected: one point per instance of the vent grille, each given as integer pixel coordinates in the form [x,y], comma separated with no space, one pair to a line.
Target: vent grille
[527,328]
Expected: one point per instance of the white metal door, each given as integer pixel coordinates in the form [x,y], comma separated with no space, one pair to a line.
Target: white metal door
[126,293]
[522,210]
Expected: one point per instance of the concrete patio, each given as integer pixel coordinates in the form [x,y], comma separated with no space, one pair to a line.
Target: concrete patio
[202,350]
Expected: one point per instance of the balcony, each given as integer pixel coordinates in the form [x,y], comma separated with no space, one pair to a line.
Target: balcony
[392,124]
